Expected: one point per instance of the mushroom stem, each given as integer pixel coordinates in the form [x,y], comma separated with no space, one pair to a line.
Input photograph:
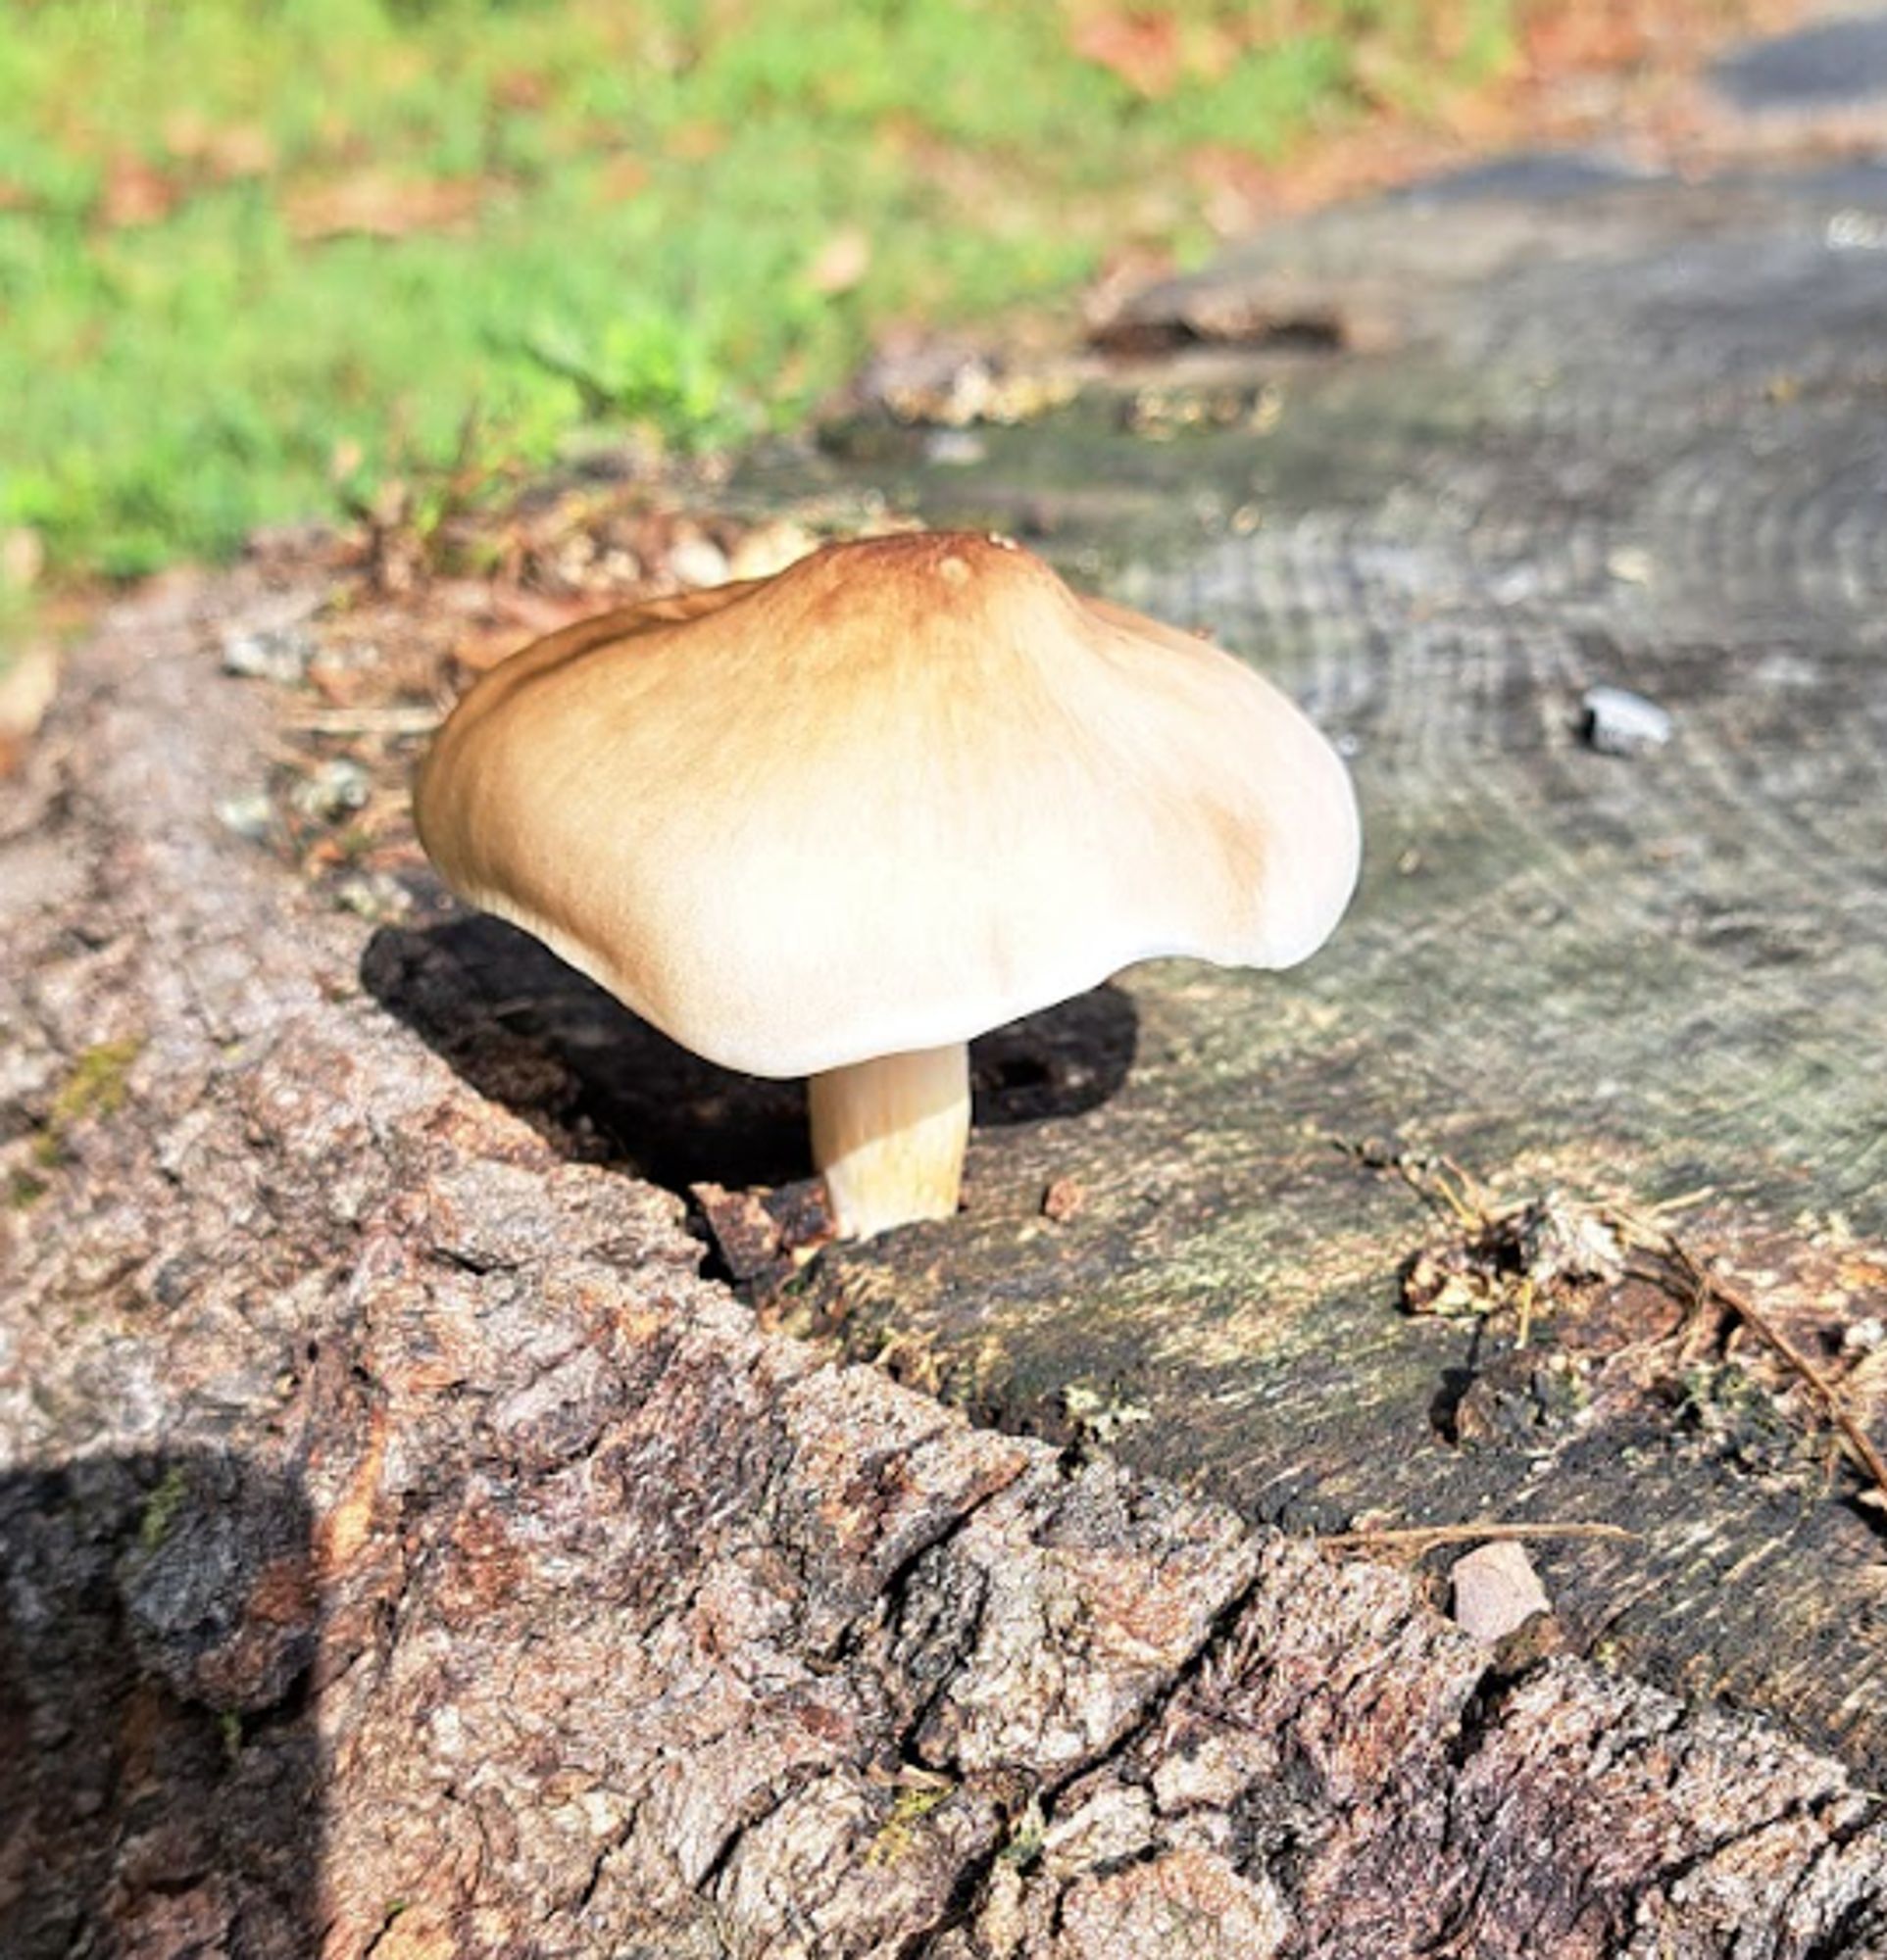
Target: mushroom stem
[890,1136]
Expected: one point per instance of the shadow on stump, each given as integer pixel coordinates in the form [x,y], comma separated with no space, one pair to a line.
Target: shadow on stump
[529,1031]
[161,1775]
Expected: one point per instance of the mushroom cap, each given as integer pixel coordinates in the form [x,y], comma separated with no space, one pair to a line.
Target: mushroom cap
[900,793]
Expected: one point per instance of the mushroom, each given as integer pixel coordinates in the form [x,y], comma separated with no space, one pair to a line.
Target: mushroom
[837,822]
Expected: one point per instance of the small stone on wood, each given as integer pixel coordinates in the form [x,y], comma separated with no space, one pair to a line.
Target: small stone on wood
[1062,1199]
[1619,723]
[1495,1591]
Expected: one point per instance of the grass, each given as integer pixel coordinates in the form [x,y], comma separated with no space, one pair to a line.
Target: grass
[259,256]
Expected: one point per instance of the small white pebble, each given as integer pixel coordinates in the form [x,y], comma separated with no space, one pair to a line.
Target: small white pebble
[1619,723]
[1856,231]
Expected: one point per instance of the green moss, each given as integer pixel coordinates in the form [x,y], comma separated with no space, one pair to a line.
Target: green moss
[96,1085]
[23,1188]
[909,1809]
[1025,1837]
[161,1508]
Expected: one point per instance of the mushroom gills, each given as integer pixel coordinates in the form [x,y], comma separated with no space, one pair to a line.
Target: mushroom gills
[890,1136]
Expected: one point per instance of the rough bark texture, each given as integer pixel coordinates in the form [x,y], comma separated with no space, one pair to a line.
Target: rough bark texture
[406,1552]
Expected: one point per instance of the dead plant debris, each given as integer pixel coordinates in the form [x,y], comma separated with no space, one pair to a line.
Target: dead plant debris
[1532,1256]
[368,635]
[1065,1198]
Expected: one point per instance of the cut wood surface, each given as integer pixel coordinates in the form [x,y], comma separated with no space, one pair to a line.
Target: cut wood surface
[1626,432]
[408,1551]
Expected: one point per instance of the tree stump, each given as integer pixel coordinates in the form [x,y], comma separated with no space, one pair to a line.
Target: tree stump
[408,1551]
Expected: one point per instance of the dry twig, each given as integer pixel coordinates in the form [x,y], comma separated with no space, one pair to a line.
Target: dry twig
[1466,1534]
[397,719]
[1706,1288]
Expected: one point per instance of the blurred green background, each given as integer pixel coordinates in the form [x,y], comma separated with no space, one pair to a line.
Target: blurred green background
[258,257]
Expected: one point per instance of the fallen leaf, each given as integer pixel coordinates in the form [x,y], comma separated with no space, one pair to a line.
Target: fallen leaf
[521,88]
[1238,188]
[1143,49]
[696,142]
[770,547]
[375,205]
[136,193]
[516,617]
[840,263]
[697,561]
[29,681]
[1558,39]
[622,178]
[227,151]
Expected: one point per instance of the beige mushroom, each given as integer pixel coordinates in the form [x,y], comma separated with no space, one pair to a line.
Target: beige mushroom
[837,822]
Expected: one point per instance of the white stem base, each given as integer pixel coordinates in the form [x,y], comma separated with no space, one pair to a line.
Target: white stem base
[890,1136]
